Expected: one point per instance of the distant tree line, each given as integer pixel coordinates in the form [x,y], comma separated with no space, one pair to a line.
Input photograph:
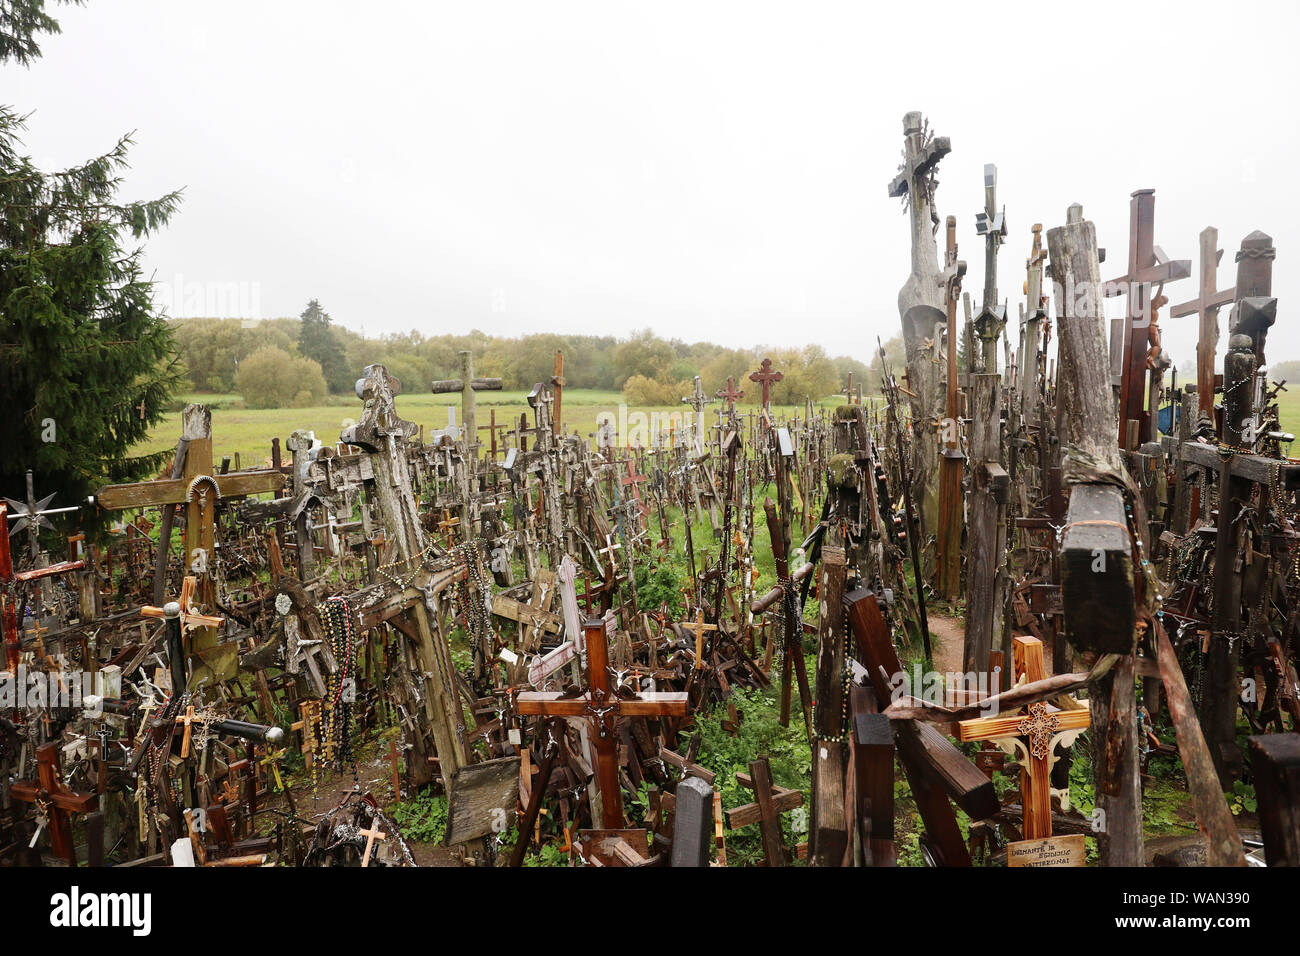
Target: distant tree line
[295,362]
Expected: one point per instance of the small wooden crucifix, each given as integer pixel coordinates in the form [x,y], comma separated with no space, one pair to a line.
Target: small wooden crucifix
[371,835]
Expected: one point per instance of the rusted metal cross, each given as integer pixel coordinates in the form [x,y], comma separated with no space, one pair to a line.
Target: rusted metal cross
[765,377]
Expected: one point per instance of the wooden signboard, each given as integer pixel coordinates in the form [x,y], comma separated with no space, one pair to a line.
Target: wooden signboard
[483,800]
[1049,851]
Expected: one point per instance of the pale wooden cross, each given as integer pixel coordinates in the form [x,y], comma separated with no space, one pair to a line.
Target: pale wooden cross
[698,627]
[371,835]
[309,714]
[1032,735]
[190,618]
[188,720]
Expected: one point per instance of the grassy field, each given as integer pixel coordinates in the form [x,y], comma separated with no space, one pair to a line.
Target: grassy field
[247,432]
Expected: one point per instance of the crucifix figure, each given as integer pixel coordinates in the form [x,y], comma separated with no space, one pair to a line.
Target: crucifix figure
[1147,266]
[602,706]
[54,802]
[1033,735]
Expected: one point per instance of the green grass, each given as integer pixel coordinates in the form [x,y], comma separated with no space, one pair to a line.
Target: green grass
[247,432]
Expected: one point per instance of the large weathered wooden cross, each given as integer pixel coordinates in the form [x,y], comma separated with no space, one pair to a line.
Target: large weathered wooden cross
[1033,735]
[467,385]
[1147,266]
[1206,305]
[602,707]
[991,224]
[54,802]
[199,489]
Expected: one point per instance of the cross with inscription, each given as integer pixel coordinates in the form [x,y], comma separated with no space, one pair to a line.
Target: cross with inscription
[1034,734]
[602,706]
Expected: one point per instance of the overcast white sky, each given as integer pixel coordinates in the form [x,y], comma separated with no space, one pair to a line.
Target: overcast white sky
[714,171]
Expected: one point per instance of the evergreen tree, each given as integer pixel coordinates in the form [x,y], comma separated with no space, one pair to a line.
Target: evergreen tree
[20,22]
[317,341]
[86,362]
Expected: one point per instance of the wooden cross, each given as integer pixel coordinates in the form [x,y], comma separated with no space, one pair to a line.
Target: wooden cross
[309,724]
[54,801]
[1147,265]
[371,835]
[447,523]
[187,719]
[770,801]
[197,489]
[557,390]
[698,627]
[730,395]
[272,761]
[190,620]
[765,377]
[467,385]
[697,400]
[1206,306]
[1033,734]
[602,707]
[633,478]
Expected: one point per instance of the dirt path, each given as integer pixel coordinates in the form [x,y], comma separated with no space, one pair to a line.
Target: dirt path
[373,776]
[946,637]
